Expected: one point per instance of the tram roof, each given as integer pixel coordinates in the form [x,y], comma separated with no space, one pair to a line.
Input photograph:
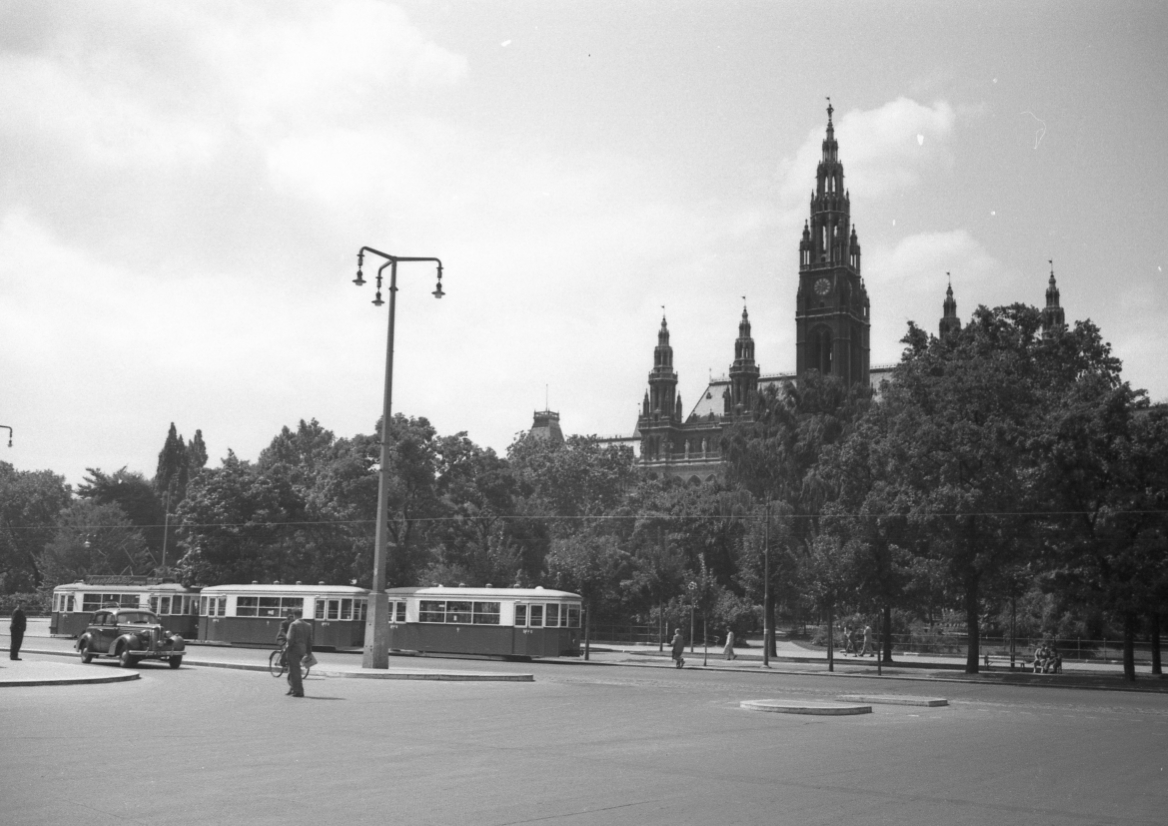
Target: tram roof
[459,591]
[124,587]
[287,588]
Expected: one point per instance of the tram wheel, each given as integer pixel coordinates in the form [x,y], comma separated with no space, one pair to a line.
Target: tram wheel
[276,663]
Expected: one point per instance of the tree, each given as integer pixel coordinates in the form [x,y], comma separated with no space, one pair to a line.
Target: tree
[964,418]
[776,454]
[137,498]
[229,524]
[170,480]
[29,503]
[591,565]
[94,538]
[196,454]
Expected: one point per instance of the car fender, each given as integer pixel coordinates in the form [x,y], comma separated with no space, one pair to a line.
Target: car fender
[83,642]
[129,640]
[179,643]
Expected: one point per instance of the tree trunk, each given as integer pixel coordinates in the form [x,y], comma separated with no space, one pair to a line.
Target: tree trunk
[886,631]
[830,632]
[971,624]
[1129,646]
[1155,622]
[660,626]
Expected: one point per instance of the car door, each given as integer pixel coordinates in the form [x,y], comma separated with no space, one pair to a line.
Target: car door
[107,631]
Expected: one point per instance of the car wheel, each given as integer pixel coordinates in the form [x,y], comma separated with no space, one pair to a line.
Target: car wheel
[83,650]
[125,658]
[175,662]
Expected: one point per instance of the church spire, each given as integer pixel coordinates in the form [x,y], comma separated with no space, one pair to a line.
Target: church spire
[950,323]
[1053,315]
[743,372]
[662,379]
[832,309]
[826,237]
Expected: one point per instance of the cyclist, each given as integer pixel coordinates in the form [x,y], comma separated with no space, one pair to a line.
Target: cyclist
[282,637]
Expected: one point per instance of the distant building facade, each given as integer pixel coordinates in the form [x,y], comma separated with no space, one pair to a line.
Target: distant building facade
[832,324]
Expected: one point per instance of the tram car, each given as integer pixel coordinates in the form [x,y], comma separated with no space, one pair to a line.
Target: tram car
[75,602]
[507,622]
[251,614]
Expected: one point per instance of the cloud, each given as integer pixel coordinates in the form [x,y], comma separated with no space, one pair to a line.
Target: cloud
[884,150]
[907,282]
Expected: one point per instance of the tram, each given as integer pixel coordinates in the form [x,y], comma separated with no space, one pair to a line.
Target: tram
[75,602]
[508,622]
[251,614]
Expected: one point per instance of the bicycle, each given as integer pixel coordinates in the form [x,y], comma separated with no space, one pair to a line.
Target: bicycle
[278,666]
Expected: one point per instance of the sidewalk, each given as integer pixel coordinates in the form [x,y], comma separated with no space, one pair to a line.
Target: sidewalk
[35,672]
[795,659]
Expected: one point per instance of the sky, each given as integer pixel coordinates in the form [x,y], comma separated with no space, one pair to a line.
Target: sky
[184,188]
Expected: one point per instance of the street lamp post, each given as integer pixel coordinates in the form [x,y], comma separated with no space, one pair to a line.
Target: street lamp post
[766,589]
[376,653]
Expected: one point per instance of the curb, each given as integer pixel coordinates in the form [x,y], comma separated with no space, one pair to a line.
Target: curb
[114,678]
[438,676]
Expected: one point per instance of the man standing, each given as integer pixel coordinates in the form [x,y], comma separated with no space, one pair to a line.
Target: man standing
[16,629]
[299,645]
[677,647]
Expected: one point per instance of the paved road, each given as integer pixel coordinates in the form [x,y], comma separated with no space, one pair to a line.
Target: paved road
[580,745]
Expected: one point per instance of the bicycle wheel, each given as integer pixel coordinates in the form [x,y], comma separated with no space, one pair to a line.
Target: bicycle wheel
[276,663]
[304,669]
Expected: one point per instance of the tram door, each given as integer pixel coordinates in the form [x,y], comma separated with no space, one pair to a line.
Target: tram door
[526,642]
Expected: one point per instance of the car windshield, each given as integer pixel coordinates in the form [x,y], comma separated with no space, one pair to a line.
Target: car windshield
[136,618]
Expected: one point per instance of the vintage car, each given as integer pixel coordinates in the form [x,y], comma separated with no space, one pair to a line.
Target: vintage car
[130,635]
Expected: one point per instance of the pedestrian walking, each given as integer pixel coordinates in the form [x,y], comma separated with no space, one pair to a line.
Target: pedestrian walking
[16,630]
[298,647]
[848,639]
[677,648]
[867,642]
[728,651]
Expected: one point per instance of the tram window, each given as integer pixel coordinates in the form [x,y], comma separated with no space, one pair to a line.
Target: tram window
[536,616]
[573,616]
[269,607]
[553,616]
[91,602]
[247,606]
[399,611]
[458,612]
[431,611]
[521,615]
[163,605]
[486,613]
[346,609]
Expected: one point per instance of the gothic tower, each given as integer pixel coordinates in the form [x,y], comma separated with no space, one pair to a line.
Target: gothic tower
[744,372]
[831,315]
[950,323]
[661,409]
[1053,315]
